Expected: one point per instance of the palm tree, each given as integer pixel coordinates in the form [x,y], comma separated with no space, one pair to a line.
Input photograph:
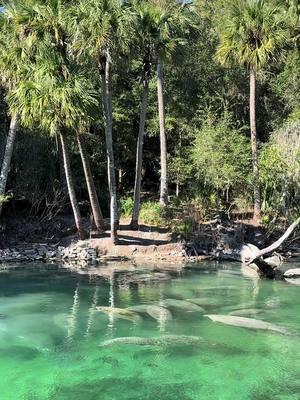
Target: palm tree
[143,28]
[58,95]
[169,21]
[97,214]
[7,157]
[98,28]
[12,57]
[251,33]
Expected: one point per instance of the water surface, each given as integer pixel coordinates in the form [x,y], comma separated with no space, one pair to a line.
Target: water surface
[51,336]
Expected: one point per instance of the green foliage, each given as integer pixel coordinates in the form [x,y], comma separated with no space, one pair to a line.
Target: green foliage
[280,168]
[5,199]
[151,213]
[221,155]
[50,55]
[126,206]
[251,33]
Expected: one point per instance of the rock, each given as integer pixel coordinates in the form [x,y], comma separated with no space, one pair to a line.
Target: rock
[249,323]
[292,273]
[248,252]
[295,281]
[274,261]
[122,313]
[251,271]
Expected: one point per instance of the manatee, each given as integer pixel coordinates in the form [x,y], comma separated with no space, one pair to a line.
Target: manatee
[203,301]
[247,311]
[155,311]
[250,323]
[183,305]
[165,340]
[159,313]
[122,313]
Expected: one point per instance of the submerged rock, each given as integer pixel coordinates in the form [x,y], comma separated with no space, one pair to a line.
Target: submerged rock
[165,340]
[183,305]
[293,281]
[122,313]
[292,273]
[250,323]
[156,312]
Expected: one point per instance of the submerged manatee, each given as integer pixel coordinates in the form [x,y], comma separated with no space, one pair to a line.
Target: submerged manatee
[159,313]
[247,311]
[156,312]
[122,313]
[183,305]
[165,340]
[250,323]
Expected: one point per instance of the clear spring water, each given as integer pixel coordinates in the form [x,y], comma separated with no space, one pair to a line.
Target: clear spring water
[50,336]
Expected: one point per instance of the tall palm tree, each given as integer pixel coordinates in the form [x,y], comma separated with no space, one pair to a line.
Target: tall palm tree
[58,95]
[169,22]
[12,58]
[98,28]
[143,28]
[251,33]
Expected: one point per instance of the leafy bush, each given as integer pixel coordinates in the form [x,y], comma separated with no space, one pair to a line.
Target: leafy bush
[151,213]
[5,198]
[280,169]
[221,155]
[126,206]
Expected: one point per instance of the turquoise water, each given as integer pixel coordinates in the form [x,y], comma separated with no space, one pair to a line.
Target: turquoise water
[51,338]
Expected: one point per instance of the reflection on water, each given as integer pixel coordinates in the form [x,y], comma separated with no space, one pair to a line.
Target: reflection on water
[55,344]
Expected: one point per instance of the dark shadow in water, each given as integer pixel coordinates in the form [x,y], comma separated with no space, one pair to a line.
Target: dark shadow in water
[20,353]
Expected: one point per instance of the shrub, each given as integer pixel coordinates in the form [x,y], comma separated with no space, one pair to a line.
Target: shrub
[126,206]
[151,213]
[221,155]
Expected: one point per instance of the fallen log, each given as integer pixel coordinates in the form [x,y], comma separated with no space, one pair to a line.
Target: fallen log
[250,253]
[251,256]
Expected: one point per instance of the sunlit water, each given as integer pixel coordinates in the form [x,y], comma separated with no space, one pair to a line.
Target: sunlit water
[51,336]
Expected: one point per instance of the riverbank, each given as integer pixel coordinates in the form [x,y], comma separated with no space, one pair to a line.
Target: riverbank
[211,240]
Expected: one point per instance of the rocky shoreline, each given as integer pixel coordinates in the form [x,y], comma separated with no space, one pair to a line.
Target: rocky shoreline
[86,252]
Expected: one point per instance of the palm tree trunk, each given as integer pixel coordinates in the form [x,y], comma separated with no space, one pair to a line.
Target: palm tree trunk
[139,159]
[163,140]
[256,191]
[97,214]
[71,188]
[7,155]
[107,108]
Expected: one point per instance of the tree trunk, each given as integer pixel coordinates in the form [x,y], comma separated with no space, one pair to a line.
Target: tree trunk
[107,109]
[139,159]
[7,155]
[163,140]
[71,188]
[256,192]
[97,214]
